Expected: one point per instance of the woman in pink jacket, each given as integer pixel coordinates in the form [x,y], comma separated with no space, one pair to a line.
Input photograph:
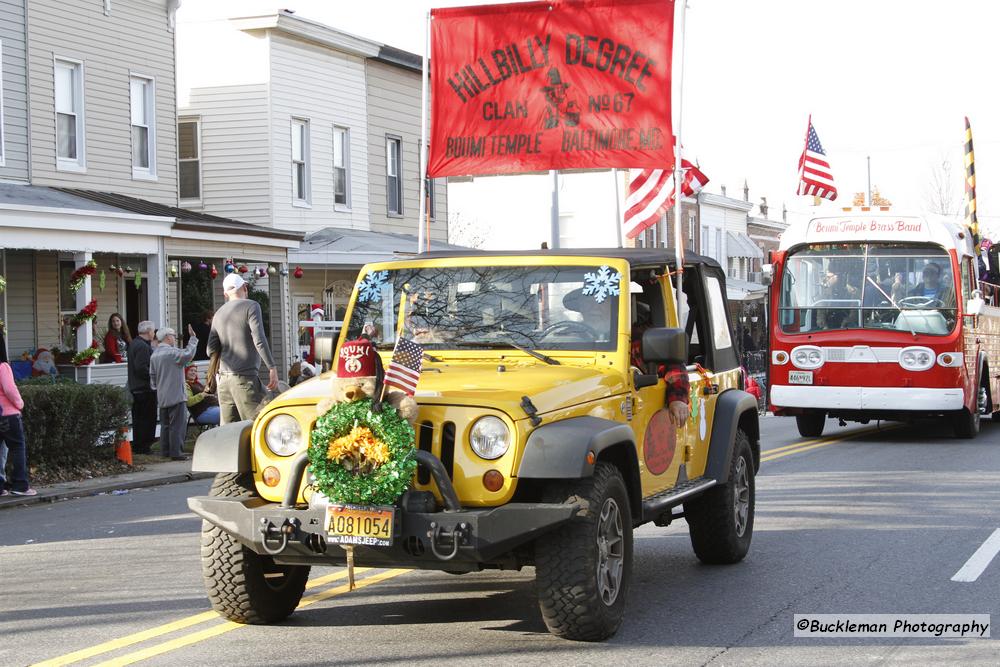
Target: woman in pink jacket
[12,430]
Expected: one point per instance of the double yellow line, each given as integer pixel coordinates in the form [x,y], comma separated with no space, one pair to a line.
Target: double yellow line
[807,445]
[207,633]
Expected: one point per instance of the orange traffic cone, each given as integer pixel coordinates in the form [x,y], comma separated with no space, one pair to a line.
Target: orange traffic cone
[123,451]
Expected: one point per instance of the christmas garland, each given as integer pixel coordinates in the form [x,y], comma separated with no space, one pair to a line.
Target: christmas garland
[3,283]
[88,313]
[360,456]
[86,357]
[79,276]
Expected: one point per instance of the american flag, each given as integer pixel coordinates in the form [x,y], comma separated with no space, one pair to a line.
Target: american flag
[815,175]
[651,193]
[403,371]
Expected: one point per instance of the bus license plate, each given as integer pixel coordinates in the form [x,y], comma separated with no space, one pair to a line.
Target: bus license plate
[800,377]
[360,524]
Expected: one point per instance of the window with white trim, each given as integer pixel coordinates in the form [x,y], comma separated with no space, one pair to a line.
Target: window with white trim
[143,127]
[189,158]
[69,114]
[393,175]
[341,167]
[300,161]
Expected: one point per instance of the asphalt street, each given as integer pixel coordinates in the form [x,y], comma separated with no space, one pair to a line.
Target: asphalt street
[863,520]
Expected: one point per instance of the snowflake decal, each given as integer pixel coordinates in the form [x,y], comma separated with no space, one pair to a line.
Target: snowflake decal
[602,284]
[370,289]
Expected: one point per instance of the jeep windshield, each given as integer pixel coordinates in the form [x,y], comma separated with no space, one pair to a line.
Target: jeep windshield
[902,287]
[490,307]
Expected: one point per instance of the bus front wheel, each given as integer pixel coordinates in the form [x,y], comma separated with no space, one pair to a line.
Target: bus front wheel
[811,424]
[965,423]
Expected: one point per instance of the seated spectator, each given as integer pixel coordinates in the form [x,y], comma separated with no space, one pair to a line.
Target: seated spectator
[203,406]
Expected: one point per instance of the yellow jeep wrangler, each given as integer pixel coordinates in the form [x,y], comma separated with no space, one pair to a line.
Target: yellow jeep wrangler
[542,437]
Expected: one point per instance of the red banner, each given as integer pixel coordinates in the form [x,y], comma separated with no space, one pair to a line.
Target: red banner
[566,84]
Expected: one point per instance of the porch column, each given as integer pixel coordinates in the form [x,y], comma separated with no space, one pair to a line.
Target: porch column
[156,288]
[85,333]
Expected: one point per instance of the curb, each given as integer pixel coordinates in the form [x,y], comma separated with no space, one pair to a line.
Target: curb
[97,489]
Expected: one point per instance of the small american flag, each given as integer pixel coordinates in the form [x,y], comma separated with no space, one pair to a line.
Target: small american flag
[815,175]
[403,371]
[651,193]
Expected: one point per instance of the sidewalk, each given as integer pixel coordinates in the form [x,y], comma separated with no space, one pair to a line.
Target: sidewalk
[154,474]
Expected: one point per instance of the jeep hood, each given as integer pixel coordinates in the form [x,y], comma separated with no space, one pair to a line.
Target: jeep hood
[482,384]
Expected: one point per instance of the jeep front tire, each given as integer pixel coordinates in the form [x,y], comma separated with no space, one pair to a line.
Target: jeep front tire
[583,568]
[720,521]
[244,586]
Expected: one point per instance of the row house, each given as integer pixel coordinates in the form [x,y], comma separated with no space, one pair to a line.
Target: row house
[89,172]
[292,124]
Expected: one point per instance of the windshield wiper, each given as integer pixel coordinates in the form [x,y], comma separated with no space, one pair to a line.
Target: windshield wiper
[507,341]
[895,305]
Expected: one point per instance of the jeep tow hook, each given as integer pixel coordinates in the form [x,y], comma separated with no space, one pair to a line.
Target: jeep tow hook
[440,536]
[280,534]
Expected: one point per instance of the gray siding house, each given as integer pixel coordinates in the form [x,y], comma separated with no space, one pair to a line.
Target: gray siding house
[90,173]
[290,123]
[13,93]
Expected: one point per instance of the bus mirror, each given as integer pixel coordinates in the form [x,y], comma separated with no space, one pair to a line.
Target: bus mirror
[975,304]
[766,273]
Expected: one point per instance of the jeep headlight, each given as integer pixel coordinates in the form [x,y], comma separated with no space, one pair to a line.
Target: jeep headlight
[916,358]
[807,357]
[283,435]
[489,437]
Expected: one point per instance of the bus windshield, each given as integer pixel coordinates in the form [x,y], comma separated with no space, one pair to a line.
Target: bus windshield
[895,286]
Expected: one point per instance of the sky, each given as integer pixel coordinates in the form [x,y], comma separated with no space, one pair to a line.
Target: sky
[889,79]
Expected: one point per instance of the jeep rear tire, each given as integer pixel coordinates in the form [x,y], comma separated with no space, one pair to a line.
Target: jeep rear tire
[583,569]
[720,521]
[811,424]
[244,586]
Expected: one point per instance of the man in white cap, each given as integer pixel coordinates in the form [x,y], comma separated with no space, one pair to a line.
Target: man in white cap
[166,375]
[238,337]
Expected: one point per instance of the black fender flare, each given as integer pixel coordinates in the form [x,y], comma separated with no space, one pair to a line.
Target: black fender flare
[225,448]
[734,409]
[559,451]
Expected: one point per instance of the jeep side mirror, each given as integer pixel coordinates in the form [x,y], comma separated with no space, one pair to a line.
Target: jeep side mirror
[324,344]
[662,345]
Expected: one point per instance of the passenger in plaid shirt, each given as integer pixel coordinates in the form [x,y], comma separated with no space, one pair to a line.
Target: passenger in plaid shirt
[675,375]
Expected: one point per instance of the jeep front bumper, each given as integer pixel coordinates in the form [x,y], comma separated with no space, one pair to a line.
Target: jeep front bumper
[459,540]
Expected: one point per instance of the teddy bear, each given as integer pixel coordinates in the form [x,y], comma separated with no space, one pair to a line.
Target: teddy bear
[360,375]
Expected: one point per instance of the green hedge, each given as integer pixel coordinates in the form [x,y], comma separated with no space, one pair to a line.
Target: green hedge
[67,424]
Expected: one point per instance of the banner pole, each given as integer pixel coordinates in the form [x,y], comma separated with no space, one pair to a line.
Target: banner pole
[554,231]
[678,174]
[618,206]
[425,75]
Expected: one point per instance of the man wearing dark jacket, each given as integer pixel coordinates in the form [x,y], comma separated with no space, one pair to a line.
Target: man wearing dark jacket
[143,396]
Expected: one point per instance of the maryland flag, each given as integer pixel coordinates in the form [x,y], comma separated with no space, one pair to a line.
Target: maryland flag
[970,187]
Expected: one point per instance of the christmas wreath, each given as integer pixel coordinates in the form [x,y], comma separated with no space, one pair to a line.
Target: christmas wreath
[360,456]
[87,356]
[88,313]
[79,276]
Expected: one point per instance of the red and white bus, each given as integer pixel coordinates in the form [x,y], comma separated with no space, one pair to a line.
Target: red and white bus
[877,315]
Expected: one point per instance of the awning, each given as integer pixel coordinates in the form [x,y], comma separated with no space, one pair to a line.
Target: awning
[353,248]
[741,245]
[741,290]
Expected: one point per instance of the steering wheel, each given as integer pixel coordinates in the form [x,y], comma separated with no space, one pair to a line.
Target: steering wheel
[921,302]
[568,326]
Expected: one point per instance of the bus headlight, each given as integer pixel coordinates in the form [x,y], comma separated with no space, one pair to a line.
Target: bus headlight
[283,435]
[916,358]
[807,357]
[489,438]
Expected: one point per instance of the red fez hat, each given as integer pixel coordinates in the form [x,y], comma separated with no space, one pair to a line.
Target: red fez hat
[356,359]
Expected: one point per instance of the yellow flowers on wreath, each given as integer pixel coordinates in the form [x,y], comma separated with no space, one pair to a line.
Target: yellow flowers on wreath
[359,450]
